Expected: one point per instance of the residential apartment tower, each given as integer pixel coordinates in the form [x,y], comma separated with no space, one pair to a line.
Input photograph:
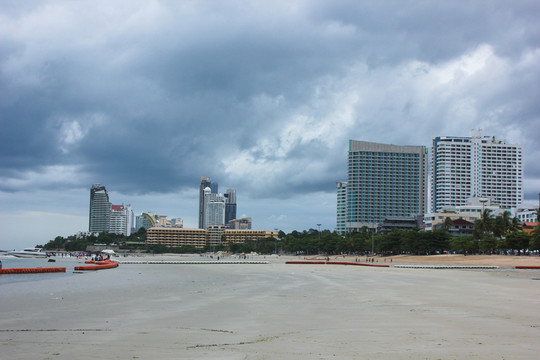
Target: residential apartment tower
[477,166]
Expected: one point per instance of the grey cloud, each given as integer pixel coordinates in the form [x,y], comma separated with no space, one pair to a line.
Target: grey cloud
[182,89]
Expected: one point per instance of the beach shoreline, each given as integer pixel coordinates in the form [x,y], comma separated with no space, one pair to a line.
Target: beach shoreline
[272,311]
[443,259]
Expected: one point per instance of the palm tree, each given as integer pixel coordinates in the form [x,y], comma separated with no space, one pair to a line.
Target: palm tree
[501,225]
[447,224]
[515,225]
[484,225]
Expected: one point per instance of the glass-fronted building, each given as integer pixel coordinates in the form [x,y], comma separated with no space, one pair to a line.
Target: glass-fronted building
[341,218]
[100,209]
[230,205]
[384,181]
[205,183]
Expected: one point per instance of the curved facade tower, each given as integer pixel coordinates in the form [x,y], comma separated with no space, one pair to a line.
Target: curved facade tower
[100,209]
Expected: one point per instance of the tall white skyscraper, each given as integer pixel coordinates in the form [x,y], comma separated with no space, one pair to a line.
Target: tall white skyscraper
[121,219]
[475,166]
[214,208]
[213,186]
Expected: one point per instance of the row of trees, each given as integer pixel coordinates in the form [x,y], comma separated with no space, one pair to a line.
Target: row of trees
[491,234]
[498,227]
[504,232]
[81,241]
[403,241]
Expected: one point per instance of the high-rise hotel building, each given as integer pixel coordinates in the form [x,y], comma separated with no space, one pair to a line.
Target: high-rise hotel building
[382,181]
[476,166]
[214,208]
[205,183]
[121,219]
[100,209]
[106,217]
[341,207]
[230,205]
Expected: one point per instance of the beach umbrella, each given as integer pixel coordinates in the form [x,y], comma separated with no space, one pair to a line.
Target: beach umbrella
[108,251]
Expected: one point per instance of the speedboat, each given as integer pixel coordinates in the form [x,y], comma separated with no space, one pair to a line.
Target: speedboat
[28,253]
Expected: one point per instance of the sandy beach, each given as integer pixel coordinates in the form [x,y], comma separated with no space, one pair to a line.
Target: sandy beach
[449,259]
[452,259]
[275,311]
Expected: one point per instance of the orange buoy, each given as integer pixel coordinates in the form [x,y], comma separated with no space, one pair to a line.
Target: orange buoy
[32,270]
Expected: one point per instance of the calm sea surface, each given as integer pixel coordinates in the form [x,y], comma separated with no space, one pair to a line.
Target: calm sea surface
[11,262]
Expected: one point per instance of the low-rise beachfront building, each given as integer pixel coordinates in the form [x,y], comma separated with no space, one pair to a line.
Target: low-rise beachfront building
[529,227]
[177,237]
[470,212]
[215,235]
[238,236]
[400,223]
[526,214]
[199,238]
[457,227]
[436,221]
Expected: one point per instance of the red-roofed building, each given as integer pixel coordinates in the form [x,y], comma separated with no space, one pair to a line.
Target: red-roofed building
[459,227]
[529,227]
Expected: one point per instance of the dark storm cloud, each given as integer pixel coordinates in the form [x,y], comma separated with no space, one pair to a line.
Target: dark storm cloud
[149,96]
[392,31]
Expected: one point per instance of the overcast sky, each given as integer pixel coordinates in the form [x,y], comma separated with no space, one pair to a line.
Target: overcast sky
[145,97]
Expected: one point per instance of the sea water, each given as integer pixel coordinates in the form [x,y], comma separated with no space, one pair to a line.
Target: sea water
[9,262]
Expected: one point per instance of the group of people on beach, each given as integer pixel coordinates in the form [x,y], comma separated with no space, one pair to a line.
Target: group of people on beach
[100,257]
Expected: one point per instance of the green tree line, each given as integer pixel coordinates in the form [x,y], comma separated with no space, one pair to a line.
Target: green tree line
[491,234]
[80,242]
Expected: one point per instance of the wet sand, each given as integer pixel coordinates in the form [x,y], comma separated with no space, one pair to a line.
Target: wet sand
[273,311]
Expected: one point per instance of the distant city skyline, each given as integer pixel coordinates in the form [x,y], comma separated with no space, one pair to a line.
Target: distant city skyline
[215,208]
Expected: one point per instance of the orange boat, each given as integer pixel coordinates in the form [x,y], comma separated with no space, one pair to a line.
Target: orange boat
[100,265]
